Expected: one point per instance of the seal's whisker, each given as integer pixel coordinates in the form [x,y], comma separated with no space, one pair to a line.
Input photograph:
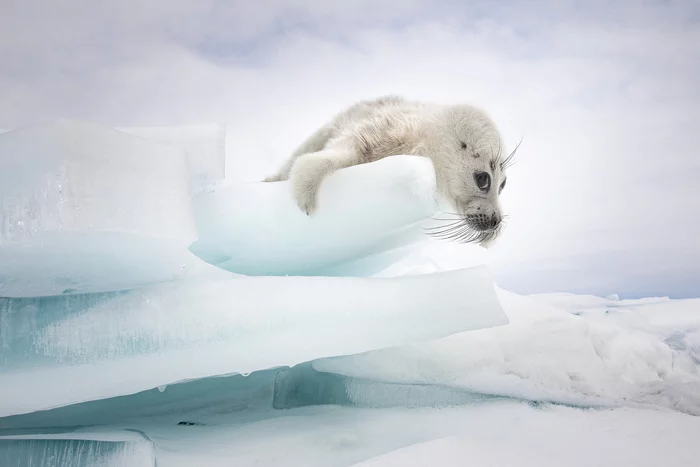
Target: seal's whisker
[454,221]
[448,233]
[445,230]
[453,232]
[509,161]
[456,216]
[462,232]
[451,213]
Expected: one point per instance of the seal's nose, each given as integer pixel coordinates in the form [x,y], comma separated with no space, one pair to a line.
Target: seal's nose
[484,222]
[494,221]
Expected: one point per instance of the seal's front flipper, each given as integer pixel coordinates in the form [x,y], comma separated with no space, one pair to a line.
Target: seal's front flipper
[309,171]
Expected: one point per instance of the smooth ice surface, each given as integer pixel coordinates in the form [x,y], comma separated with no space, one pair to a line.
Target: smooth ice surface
[494,434]
[127,342]
[121,449]
[258,229]
[223,431]
[228,397]
[204,146]
[638,352]
[85,208]
[223,399]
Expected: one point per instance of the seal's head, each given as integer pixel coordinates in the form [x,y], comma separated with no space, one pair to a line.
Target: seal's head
[470,165]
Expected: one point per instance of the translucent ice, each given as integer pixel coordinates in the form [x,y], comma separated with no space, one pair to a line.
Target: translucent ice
[204,146]
[77,450]
[257,229]
[197,328]
[88,209]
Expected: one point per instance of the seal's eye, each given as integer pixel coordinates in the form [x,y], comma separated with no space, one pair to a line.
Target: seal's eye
[503,185]
[463,144]
[483,181]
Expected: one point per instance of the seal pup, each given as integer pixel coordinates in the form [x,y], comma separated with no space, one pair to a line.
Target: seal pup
[461,140]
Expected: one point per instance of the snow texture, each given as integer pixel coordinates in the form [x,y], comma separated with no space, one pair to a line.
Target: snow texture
[486,434]
[518,436]
[499,434]
[634,352]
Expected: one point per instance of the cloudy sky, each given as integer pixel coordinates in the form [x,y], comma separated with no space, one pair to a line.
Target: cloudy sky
[604,198]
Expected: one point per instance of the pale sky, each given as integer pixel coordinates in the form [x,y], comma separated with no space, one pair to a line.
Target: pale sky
[605,195]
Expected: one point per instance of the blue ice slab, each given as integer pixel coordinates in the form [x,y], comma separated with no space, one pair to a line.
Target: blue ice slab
[76,450]
[85,208]
[257,228]
[238,399]
[125,342]
[181,403]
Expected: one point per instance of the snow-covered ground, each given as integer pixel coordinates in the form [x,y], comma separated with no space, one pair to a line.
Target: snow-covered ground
[582,351]
[496,434]
[584,381]
[410,355]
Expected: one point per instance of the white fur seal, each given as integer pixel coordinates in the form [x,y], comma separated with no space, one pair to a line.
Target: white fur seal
[462,142]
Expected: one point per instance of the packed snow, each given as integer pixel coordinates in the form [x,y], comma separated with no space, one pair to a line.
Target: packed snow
[551,354]
[486,434]
[154,314]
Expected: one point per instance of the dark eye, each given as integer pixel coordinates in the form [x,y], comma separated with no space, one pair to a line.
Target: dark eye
[483,181]
[463,144]
[503,185]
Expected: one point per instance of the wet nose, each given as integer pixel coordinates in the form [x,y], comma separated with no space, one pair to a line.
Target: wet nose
[484,222]
[494,221]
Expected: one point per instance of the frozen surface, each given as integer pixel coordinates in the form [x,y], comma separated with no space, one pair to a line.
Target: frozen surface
[578,303]
[200,366]
[429,256]
[507,435]
[493,434]
[205,327]
[89,209]
[204,146]
[640,354]
[546,353]
[234,398]
[486,433]
[122,449]
[364,210]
